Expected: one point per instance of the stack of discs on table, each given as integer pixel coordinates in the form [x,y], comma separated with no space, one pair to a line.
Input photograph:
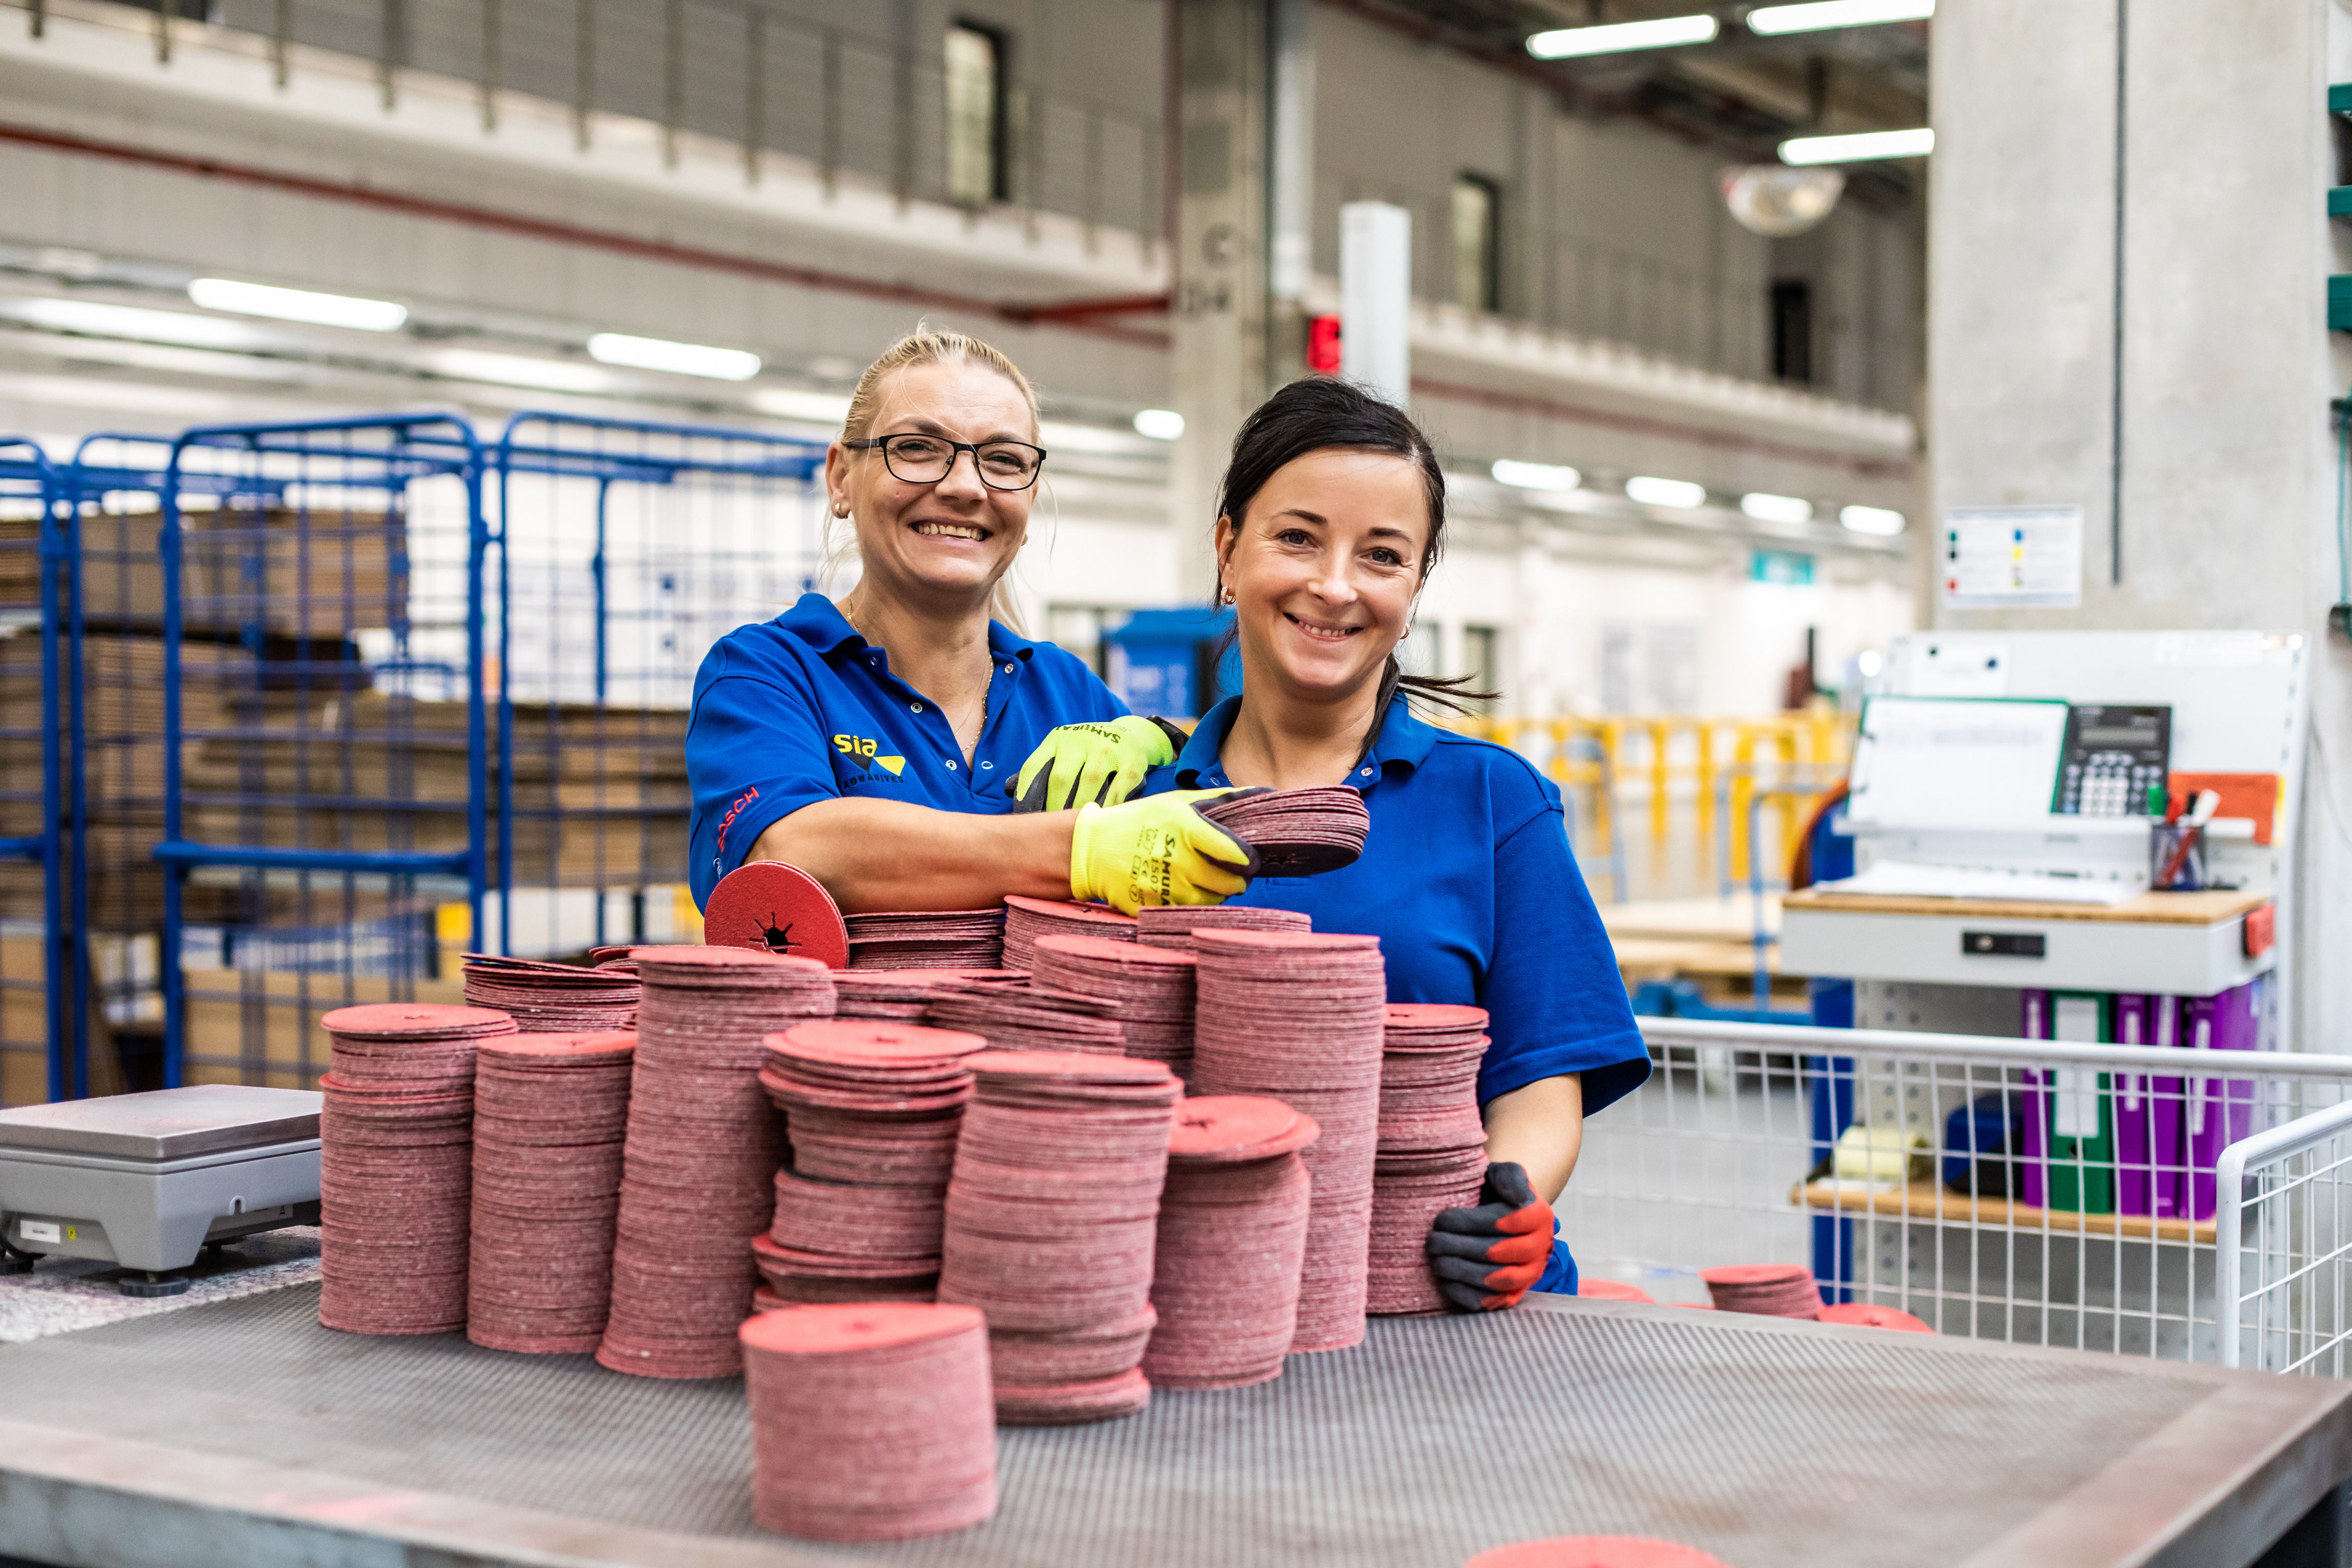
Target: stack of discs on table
[871,1422]
[395,1165]
[1433,1152]
[871,1110]
[1172,925]
[1233,1236]
[1596,1552]
[551,1112]
[1870,1315]
[1151,989]
[1032,1017]
[614,955]
[1051,1217]
[1768,1289]
[1611,1290]
[927,939]
[1026,920]
[906,994]
[1296,832]
[552,998]
[770,907]
[700,1173]
[1301,1016]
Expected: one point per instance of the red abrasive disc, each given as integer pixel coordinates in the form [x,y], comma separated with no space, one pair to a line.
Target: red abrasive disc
[775,908]
[1869,1315]
[1610,1290]
[1595,1551]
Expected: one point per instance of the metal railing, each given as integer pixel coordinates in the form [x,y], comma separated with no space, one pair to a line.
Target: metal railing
[2118,1225]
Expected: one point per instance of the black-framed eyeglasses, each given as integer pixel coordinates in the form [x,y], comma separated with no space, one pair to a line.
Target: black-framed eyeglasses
[927,459]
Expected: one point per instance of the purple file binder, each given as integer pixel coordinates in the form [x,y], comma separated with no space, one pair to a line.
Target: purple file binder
[2219,1110]
[2149,1172]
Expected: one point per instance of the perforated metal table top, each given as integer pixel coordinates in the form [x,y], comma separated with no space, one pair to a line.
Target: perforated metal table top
[245,1434]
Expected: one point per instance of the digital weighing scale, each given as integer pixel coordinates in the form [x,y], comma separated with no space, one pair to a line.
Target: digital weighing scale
[149,1181]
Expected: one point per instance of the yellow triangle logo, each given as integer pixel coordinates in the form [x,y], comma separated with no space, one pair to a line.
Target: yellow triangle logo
[896,764]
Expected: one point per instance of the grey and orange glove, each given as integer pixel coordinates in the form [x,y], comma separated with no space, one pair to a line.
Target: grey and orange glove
[1486,1258]
[1158,850]
[1102,762]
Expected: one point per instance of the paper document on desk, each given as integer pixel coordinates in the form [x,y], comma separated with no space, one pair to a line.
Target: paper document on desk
[1949,762]
[1917,880]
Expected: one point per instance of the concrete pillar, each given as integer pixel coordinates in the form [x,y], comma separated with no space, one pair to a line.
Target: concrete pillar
[2225,469]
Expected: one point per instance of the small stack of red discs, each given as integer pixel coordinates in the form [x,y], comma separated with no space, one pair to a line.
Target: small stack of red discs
[1149,987]
[1767,1289]
[1233,1236]
[1301,1016]
[699,1176]
[1051,1218]
[1296,832]
[1613,1290]
[614,955]
[395,1165]
[927,939]
[1433,1145]
[1032,1017]
[1172,925]
[871,1110]
[1026,920]
[551,1112]
[906,994]
[1596,1552]
[552,998]
[871,1422]
[1870,1315]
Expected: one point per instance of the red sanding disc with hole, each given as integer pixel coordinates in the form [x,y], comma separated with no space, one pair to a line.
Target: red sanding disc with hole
[775,908]
[1595,1551]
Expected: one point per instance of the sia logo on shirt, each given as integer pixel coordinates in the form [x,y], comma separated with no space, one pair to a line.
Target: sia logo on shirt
[862,756]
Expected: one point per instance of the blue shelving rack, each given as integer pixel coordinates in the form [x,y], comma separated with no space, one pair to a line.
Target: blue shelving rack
[37,1060]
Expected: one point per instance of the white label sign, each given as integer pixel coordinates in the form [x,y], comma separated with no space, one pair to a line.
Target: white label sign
[2011,557]
[38,1230]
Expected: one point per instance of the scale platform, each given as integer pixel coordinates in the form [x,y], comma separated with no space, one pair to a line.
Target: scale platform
[147,1180]
[243,1432]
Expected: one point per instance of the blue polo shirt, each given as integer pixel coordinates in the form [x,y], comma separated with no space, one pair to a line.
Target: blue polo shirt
[802,709]
[1468,881]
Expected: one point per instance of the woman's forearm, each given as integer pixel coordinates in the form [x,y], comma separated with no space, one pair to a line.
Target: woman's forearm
[1540,1126]
[889,854]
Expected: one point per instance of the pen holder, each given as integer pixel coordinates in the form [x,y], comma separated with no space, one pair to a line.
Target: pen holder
[2176,858]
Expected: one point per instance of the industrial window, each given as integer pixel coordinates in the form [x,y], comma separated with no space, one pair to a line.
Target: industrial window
[1792,330]
[1478,213]
[979,164]
[1482,659]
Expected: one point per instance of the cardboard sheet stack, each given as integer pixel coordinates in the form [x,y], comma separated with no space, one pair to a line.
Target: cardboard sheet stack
[1433,1145]
[1051,1221]
[1301,1016]
[698,1175]
[1151,989]
[1026,920]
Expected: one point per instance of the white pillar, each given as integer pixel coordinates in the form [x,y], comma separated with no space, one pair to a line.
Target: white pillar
[1376,297]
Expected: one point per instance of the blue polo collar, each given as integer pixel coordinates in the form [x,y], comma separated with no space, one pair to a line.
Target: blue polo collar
[818,622]
[1403,744]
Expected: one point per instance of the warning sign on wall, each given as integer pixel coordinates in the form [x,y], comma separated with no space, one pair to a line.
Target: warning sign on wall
[2011,557]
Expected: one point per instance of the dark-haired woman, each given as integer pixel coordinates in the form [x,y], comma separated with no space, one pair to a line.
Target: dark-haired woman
[1332,516]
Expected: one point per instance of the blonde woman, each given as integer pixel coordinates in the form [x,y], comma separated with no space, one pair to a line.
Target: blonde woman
[878,742]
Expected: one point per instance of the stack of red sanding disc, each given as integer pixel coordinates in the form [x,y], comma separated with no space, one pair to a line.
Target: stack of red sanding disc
[1296,832]
[549,1115]
[1032,1017]
[1151,989]
[1172,925]
[1768,1289]
[871,1422]
[1026,920]
[1433,1145]
[770,907]
[1870,1315]
[871,1108]
[1051,1217]
[1301,1016]
[927,939]
[1233,1236]
[396,1165]
[552,998]
[1613,1290]
[906,994]
[704,1144]
[1596,1552]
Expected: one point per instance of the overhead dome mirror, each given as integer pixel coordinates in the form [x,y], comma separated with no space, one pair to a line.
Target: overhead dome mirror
[1777,201]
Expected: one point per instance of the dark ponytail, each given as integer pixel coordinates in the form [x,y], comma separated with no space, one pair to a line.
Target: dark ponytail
[1313,415]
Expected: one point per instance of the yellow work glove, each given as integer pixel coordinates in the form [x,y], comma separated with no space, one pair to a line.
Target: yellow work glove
[1157,850]
[1102,762]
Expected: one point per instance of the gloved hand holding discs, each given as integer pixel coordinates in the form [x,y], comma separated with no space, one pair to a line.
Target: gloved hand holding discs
[1158,850]
[1102,762]
[1486,1258]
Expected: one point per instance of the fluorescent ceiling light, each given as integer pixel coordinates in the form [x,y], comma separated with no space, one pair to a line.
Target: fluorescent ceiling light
[1862,147]
[1065,436]
[1822,14]
[1766,507]
[679,358]
[1159,424]
[1665,492]
[132,321]
[1872,519]
[520,370]
[1534,476]
[792,403]
[1616,37]
[297,305]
